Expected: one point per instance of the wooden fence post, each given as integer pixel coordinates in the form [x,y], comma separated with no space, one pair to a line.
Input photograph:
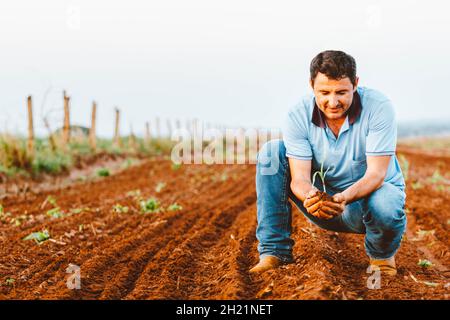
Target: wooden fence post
[169,128]
[116,129]
[148,136]
[158,128]
[92,133]
[132,140]
[66,129]
[30,143]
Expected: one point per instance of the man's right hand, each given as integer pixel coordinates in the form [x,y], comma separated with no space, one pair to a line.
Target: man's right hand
[319,208]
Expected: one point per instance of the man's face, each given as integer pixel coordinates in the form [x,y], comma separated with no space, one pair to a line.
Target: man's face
[333,97]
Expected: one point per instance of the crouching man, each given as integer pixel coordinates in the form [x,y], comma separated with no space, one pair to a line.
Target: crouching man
[350,132]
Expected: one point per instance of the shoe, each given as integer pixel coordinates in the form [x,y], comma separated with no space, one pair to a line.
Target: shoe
[387,266]
[266,263]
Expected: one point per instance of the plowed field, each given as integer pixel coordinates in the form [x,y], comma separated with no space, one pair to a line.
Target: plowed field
[204,250]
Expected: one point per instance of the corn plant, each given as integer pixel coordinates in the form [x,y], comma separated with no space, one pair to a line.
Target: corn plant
[321,173]
[150,206]
[38,237]
[55,213]
[424,263]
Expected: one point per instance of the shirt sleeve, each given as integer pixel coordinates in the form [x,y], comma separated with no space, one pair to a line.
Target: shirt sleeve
[382,135]
[295,137]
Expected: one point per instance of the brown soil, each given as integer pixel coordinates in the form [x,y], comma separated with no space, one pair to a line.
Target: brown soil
[205,250]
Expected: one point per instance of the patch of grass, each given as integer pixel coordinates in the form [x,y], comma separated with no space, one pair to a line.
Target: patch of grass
[38,237]
[103,172]
[13,153]
[51,162]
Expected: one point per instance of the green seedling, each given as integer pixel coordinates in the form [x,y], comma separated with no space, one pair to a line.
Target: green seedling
[103,172]
[118,208]
[150,206]
[160,186]
[224,177]
[321,173]
[55,213]
[10,281]
[176,166]
[38,237]
[174,207]
[424,263]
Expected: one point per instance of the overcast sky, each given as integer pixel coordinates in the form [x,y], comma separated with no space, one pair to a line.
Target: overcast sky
[236,62]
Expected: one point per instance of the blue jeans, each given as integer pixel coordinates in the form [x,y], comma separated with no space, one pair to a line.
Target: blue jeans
[380,216]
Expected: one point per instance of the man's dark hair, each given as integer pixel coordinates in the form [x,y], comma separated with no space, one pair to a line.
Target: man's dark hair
[334,64]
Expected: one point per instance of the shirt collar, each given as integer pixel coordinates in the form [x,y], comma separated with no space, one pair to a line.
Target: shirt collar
[318,118]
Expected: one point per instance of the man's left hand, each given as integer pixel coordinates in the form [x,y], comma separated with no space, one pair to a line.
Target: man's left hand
[330,209]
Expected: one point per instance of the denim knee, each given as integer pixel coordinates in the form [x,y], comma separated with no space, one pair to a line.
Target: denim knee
[385,208]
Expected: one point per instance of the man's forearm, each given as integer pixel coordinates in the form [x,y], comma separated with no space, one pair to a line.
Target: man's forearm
[363,187]
[300,188]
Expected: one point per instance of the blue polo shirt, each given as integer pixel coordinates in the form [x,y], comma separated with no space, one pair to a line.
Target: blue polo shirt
[370,129]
